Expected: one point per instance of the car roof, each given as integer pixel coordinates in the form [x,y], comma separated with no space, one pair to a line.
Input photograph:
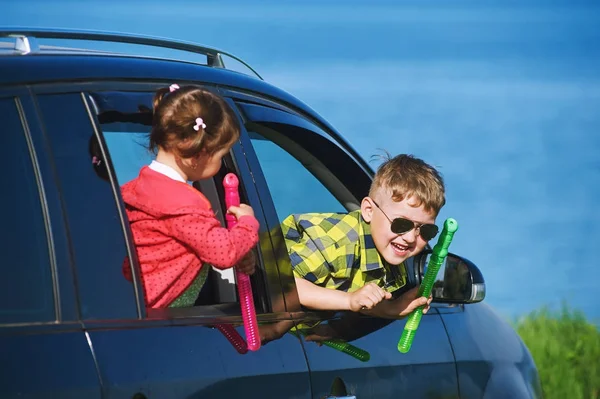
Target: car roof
[72,67]
[26,60]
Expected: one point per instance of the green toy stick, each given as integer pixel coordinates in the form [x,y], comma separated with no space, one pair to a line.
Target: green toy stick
[349,349]
[346,348]
[440,250]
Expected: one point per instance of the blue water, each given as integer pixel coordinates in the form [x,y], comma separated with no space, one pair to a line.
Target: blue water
[503,97]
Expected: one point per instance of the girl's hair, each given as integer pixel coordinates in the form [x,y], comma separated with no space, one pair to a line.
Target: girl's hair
[175,126]
[407,176]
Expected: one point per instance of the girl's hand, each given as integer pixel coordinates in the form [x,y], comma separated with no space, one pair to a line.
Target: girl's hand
[247,264]
[242,210]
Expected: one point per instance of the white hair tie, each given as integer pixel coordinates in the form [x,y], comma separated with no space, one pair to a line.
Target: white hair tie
[199,122]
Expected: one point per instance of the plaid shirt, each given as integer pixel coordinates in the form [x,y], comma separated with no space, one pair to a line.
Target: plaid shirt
[337,251]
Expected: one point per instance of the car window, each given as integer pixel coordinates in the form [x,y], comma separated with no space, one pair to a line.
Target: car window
[95,229]
[293,187]
[26,288]
[296,168]
[128,152]
[304,170]
[125,122]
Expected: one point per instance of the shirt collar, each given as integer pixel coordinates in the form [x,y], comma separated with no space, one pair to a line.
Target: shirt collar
[370,259]
[166,170]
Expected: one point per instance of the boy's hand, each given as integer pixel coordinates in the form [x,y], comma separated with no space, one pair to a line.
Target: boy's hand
[247,264]
[367,297]
[242,210]
[409,302]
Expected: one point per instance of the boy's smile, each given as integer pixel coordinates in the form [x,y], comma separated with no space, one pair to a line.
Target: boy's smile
[395,248]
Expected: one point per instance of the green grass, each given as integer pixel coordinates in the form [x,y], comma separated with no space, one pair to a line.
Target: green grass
[566,350]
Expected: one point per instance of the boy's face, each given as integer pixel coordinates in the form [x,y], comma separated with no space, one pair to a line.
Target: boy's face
[394,248]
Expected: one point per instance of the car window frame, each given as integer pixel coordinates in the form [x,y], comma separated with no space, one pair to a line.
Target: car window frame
[228,311]
[69,89]
[64,301]
[272,218]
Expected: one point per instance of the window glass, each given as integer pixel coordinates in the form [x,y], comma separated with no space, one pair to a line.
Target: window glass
[96,232]
[293,187]
[26,289]
[128,151]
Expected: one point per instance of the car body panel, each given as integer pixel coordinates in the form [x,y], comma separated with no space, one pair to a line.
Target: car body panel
[491,359]
[427,370]
[195,361]
[47,362]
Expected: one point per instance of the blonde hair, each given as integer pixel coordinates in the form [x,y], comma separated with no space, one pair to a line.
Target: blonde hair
[407,176]
[175,114]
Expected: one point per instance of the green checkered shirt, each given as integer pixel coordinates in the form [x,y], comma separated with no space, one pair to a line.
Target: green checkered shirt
[337,251]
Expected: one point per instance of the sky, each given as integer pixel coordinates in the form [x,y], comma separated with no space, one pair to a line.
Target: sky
[502,97]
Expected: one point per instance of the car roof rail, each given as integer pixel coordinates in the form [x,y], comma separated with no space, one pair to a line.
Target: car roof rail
[26,43]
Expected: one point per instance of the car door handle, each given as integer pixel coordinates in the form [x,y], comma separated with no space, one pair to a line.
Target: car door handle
[340,397]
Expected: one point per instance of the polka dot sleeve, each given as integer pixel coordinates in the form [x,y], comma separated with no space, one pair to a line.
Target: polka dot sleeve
[212,242]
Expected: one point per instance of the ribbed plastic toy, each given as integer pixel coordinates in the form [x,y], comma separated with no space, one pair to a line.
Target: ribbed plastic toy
[344,347]
[440,251]
[233,337]
[349,349]
[232,198]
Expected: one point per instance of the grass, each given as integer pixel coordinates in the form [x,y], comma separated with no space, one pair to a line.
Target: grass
[566,350]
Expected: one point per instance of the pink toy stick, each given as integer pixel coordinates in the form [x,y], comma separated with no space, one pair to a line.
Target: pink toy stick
[233,337]
[232,198]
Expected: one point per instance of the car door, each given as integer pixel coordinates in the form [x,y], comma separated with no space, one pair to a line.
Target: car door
[174,352]
[300,168]
[44,350]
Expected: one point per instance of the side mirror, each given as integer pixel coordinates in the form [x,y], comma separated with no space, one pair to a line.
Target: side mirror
[458,281]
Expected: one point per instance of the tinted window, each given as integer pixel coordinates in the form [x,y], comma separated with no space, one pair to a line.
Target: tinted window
[305,168]
[26,289]
[95,227]
[128,152]
[293,187]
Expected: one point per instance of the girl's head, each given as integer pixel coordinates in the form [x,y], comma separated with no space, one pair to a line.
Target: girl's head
[194,125]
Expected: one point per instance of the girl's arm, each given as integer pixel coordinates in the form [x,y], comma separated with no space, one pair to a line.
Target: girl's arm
[214,243]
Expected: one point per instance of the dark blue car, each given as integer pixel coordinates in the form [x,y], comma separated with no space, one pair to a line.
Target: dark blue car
[71,325]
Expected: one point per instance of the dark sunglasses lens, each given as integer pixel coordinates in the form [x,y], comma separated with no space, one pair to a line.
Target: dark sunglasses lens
[400,226]
[428,231]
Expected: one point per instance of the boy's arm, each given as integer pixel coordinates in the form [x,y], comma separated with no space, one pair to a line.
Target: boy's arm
[320,298]
[313,265]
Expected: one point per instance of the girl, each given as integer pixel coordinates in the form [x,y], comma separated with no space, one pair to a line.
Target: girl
[174,228]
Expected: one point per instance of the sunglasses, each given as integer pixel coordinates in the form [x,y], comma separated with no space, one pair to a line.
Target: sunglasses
[402,225]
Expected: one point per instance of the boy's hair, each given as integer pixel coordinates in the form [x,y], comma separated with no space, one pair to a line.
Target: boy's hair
[406,176]
[174,121]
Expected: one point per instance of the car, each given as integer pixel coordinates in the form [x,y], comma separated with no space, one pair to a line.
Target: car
[76,112]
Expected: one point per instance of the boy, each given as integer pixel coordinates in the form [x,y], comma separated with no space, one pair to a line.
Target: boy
[355,261]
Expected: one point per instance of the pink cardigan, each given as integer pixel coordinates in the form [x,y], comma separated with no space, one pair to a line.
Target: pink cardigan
[176,232]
